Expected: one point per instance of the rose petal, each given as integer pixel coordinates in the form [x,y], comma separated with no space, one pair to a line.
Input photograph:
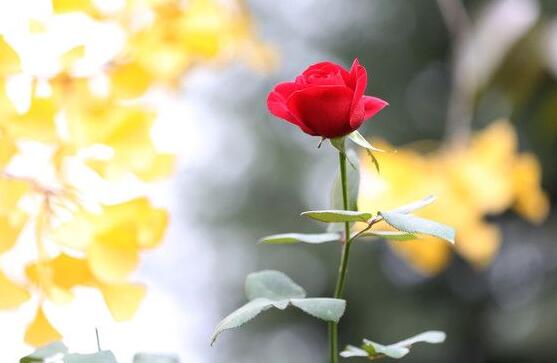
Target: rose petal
[323,109]
[324,73]
[366,109]
[276,103]
[358,74]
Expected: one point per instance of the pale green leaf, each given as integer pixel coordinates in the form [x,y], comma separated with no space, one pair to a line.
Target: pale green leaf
[155,358]
[273,285]
[398,350]
[352,351]
[411,207]
[290,238]
[99,357]
[49,351]
[242,316]
[390,235]
[337,216]
[413,224]
[267,289]
[359,140]
[322,308]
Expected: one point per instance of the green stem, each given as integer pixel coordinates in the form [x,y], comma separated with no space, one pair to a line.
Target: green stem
[343,267]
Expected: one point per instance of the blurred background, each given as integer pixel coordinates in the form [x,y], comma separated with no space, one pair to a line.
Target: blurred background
[472,87]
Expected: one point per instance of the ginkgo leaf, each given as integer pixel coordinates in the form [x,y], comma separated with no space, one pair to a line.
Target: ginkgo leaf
[113,255]
[129,80]
[64,271]
[37,123]
[8,148]
[11,294]
[69,58]
[122,300]
[150,222]
[76,233]
[11,192]
[9,60]
[64,6]
[10,228]
[40,331]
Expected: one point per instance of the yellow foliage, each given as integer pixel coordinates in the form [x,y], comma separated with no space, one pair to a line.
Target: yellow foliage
[76,113]
[9,60]
[11,294]
[122,299]
[40,332]
[487,177]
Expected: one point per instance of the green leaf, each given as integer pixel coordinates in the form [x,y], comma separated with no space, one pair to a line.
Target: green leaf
[398,350]
[290,238]
[390,235]
[267,289]
[352,351]
[411,207]
[359,140]
[413,224]
[49,351]
[273,285]
[99,357]
[242,316]
[337,216]
[154,358]
[339,144]
[353,184]
[322,308]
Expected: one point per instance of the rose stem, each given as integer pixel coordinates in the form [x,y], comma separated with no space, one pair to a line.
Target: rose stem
[333,327]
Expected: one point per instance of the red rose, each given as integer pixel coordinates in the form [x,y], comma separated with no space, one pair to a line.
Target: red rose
[326,100]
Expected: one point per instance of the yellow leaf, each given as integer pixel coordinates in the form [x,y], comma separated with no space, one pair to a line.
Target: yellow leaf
[68,59]
[129,80]
[531,201]
[11,192]
[427,254]
[40,332]
[76,233]
[9,60]
[64,6]
[149,222]
[36,26]
[59,276]
[11,294]
[122,300]
[113,255]
[7,148]
[37,123]
[10,228]
[478,243]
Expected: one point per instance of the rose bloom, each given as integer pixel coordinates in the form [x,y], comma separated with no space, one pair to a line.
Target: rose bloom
[325,100]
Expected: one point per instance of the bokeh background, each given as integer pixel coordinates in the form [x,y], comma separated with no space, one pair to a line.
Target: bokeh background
[450,70]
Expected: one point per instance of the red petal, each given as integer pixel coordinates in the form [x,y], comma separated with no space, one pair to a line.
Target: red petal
[366,109]
[323,109]
[277,105]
